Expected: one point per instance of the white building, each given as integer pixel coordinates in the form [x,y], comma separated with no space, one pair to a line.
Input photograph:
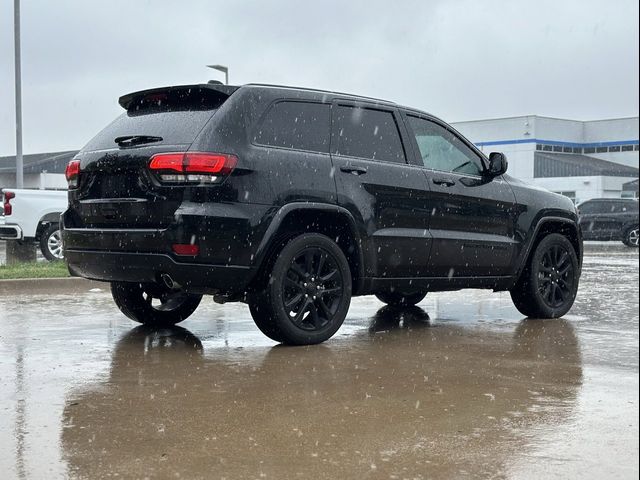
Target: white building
[583,160]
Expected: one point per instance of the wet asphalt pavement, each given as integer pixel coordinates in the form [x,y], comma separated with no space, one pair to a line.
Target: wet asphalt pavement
[461,386]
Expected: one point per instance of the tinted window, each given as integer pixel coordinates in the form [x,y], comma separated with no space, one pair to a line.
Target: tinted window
[175,128]
[608,207]
[441,150]
[177,116]
[622,207]
[297,125]
[367,133]
[590,207]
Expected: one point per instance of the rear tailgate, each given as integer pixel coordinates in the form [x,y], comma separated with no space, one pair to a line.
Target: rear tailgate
[115,187]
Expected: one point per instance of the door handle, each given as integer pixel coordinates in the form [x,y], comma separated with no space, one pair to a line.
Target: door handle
[444,181]
[353,170]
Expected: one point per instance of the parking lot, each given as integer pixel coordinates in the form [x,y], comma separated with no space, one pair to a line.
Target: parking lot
[460,386]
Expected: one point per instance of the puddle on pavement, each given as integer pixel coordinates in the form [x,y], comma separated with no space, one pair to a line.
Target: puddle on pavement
[459,386]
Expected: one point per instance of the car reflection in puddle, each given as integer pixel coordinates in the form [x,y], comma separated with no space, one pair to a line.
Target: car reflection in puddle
[403,397]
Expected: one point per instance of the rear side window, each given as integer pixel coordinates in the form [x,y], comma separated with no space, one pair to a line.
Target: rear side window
[367,133]
[296,125]
[177,116]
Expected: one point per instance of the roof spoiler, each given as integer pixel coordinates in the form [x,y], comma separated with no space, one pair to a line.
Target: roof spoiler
[125,101]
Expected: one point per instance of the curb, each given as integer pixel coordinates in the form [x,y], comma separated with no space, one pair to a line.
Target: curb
[37,286]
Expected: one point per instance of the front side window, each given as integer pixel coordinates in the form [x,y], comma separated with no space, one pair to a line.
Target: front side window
[441,150]
[296,125]
[367,133]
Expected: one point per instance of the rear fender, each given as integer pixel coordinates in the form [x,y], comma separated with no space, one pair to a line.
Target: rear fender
[280,227]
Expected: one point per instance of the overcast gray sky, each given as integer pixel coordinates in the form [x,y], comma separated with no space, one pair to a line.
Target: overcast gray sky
[458,59]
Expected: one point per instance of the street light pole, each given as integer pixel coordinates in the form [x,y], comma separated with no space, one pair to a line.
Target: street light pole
[18,80]
[223,69]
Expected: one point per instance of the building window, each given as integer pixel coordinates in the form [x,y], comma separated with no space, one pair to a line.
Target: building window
[615,148]
[601,149]
[547,148]
[589,150]
[627,148]
[577,150]
[567,149]
[571,195]
[636,148]
[557,148]
[538,147]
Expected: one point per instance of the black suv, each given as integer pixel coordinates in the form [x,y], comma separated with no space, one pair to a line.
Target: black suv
[610,219]
[294,200]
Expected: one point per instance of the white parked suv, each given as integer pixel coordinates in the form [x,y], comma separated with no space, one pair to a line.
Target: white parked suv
[34,216]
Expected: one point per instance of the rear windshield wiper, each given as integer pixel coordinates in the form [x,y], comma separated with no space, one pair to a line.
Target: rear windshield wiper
[129,140]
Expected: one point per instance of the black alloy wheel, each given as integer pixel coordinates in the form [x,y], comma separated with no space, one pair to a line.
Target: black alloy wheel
[548,286]
[555,276]
[153,304]
[398,299]
[307,293]
[313,289]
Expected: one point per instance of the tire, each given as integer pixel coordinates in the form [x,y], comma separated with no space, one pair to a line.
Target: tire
[548,286]
[135,300]
[631,237]
[307,295]
[51,243]
[397,299]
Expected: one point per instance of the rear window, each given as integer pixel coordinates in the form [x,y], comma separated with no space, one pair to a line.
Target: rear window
[368,133]
[177,116]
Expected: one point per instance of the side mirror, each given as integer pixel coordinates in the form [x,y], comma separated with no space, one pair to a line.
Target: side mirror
[498,164]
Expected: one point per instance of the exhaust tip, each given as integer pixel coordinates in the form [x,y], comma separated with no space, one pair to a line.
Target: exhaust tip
[169,282]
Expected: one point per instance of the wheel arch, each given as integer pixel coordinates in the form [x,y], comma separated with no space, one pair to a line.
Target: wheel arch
[45,221]
[333,221]
[546,226]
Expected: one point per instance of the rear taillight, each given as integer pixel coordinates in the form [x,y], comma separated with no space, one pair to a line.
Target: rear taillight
[72,173]
[186,249]
[6,203]
[192,167]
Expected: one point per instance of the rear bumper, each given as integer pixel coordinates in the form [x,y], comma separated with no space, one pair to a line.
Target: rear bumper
[148,267]
[10,232]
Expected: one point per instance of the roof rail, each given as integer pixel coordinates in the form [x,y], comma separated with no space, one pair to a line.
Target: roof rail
[306,89]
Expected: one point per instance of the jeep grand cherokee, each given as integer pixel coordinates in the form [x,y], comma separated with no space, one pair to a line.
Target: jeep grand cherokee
[294,200]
